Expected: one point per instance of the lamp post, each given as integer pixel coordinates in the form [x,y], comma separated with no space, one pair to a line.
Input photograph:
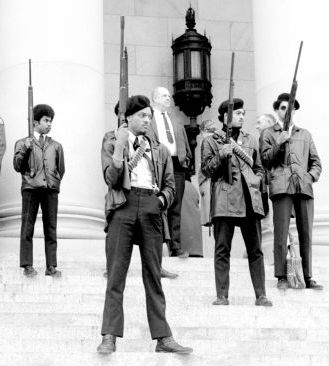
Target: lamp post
[192,77]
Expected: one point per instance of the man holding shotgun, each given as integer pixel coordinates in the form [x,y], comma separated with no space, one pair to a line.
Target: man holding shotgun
[237,203]
[293,162]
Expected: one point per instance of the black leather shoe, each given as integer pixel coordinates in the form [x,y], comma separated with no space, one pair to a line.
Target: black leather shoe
[282,284]
[313,285]
[29,271]
[263,301]
[221,300]
[108,344]
[166,274]
[52,271]
[169,345]
[179,253]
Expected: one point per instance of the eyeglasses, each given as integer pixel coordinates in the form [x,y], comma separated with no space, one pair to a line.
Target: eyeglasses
[283,108]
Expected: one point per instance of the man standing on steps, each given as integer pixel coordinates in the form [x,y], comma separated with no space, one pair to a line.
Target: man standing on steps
[294,163]
[173,136]
[40,186]
[236,204]
[2,140]
[139,174]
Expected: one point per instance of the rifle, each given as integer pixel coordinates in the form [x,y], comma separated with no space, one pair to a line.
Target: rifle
[292,97]
[123,93]
[229,121]
[31,121]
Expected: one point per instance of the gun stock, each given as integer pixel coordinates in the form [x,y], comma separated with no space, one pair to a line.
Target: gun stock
[229,121]
[123,93]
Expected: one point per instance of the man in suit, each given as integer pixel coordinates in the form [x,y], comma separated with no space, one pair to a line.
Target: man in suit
[294,165]
[173,136]
[139,175]
[2,140]
[40,160]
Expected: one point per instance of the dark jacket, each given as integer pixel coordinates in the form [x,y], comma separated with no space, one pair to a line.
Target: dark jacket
[230,200]
[183,148]
[2,142]
[304,168]
[48,162]
[119,179]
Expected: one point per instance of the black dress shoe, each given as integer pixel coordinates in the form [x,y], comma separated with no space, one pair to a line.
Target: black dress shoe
[169,345]
[52,271]
[221,300]
[108,344]
[166,274]
[313,285]
[179,253]
[263,301]
[29,271]
[282,284]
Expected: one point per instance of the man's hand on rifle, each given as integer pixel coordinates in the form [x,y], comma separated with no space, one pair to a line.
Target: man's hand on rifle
[28,143]
[227,150]
[283,138]
[122,134]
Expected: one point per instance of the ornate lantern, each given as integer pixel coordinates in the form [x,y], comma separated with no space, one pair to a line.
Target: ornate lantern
[192,80]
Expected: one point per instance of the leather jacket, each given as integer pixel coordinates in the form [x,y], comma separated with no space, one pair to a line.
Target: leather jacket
[293,172]
[48,164]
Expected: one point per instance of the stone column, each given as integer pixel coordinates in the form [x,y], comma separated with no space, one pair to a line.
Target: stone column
[279,26]
[64,39]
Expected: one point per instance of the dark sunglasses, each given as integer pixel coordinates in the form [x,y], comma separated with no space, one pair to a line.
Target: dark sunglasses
[283,108]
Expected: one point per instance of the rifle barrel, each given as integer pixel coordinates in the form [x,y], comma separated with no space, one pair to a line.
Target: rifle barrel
[298,58]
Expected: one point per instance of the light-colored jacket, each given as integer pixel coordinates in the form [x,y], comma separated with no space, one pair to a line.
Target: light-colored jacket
[297,175]
[48,164]
[230,200]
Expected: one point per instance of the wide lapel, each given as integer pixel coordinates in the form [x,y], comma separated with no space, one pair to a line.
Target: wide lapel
[155,157]
[175,129]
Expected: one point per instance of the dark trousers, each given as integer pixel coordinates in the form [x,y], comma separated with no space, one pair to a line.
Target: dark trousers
[251,232]
[141,213]
[31,199]
[304,213]
[174,212]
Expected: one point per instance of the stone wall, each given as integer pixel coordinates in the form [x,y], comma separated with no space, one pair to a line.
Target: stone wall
[150,27]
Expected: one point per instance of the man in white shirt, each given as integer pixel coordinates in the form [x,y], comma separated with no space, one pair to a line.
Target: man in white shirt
[140,179]
[173,136]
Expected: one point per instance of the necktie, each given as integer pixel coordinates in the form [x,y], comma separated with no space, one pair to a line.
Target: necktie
[42,140]
[136,144]
[168,132]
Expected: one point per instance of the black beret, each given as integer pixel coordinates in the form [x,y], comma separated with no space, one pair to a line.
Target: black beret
[134,104]
[43,110]
[284,97]
[223,108]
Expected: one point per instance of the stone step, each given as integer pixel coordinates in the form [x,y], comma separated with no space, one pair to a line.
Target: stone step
[210,317]
[199,298]
[215,347]
[63,332]
[151,358]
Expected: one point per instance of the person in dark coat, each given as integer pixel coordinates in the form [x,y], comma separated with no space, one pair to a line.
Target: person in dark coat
[239,204]
[294,165]
[170,133]
[40,161]
[139,175]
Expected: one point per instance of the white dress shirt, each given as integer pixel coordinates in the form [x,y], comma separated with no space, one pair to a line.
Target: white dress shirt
[141,175]
[158,117]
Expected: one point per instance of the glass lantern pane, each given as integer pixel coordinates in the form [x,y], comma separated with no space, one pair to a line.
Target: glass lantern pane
[195,64]
[207,67]
[179,66]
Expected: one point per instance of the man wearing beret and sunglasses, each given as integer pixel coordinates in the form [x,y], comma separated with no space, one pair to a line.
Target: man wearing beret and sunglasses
[294,165]
[139,174]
